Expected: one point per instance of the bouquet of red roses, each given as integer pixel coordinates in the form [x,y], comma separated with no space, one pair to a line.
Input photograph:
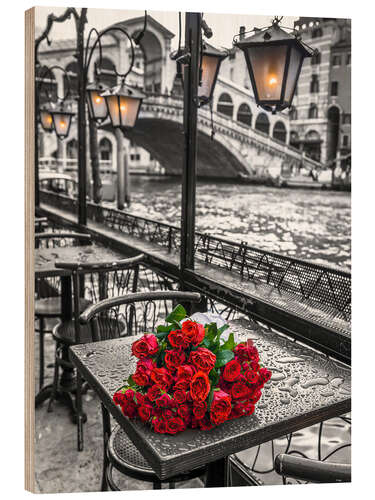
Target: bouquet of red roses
[187,376]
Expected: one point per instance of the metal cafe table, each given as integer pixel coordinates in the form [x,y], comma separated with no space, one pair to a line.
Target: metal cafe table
[44,267]
[306,388]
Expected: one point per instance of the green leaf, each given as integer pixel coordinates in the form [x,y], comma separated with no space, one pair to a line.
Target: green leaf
[211,331]
[210,398]
[230,343]
[222,357]
[164,328]
[177,314]
[206,342]
[223,328]
[214,377]
[131,382]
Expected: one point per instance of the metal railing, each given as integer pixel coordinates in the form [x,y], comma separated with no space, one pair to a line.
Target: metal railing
[328,288]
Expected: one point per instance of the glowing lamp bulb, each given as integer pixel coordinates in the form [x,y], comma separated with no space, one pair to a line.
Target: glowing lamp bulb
[272,81]
[123,107]
[49,119]
[62,124]
[98,100]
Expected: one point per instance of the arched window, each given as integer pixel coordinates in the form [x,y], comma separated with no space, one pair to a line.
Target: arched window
[244,114]
[72,149]
[293,113]
[313,111]
[107,73]
[72,70]
[262,123]
[225,105]
[105,149]
[279,131]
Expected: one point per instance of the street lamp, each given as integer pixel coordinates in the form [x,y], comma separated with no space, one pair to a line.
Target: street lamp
[123,104]
[210,66]
[46,120]
[274,59]
[96,103]
[62,120]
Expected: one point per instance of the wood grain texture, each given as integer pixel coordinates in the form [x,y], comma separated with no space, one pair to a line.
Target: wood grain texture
[29,250]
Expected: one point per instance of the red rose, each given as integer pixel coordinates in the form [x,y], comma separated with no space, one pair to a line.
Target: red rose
[239,390]
[129,409]
[185,372]
[250,409]
[265,375]
[145,346]
[224,385]
[203,359]
[178,339]
[146,365]
[231,370]
[199,409]
[253,353]
[181,385]
[193,331]
[251,377]
[164,401]
[179,396]
[220,408]
[174,425]
[162,378]
[184,412]
[153,392]
[140,398]
[174,358]
[241,352]
[255,366]
[119,398]
[255,396]
[129,394]
[145,412]
[199,386]
[141,378]
[205,424]
[159,425]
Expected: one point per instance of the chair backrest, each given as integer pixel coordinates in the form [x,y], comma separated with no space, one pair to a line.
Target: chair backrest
[101,280]
[133,313]
[62,239]
[51,286]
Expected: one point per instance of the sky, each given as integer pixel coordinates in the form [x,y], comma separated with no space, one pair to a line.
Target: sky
[224,26]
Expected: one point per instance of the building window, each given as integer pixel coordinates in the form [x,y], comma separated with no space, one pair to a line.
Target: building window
[244,114]
[347,119]
[336,61]
[316,59]
[313,111]
[334,88]
[314,84]
[348,59]
[262,123]
[345,140]
[232,54]
[293,113]
[317,33]
[225,105]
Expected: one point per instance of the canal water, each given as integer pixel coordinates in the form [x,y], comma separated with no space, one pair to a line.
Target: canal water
[308,224]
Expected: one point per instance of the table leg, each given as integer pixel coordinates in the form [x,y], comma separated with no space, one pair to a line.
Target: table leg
[217,473]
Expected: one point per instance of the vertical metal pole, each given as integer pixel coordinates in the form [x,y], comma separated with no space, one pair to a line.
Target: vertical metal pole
[191,77]
[36,136]
[120,169]
[81,123]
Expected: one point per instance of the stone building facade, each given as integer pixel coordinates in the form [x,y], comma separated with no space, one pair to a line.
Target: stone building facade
[321,113]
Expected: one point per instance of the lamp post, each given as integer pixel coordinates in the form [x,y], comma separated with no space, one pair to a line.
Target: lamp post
[121,102]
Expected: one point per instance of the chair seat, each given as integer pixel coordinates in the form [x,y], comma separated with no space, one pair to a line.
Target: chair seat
[64,332]
[127,459]
[51,306]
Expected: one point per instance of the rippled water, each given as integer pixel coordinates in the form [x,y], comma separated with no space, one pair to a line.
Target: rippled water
[313,225]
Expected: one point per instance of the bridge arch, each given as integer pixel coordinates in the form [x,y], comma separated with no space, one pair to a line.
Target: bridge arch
[225,104]
[262,123]
[279,131]
[244,114]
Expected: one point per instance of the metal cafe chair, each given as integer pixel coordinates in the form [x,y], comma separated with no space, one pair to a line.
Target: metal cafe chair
[315,471]
[139,312]
[92,283]
[48,290]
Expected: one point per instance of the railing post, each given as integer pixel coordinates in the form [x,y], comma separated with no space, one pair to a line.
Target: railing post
[192,41]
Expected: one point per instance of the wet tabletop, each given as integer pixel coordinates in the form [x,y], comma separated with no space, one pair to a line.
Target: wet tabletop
[45,258]
[306,387]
